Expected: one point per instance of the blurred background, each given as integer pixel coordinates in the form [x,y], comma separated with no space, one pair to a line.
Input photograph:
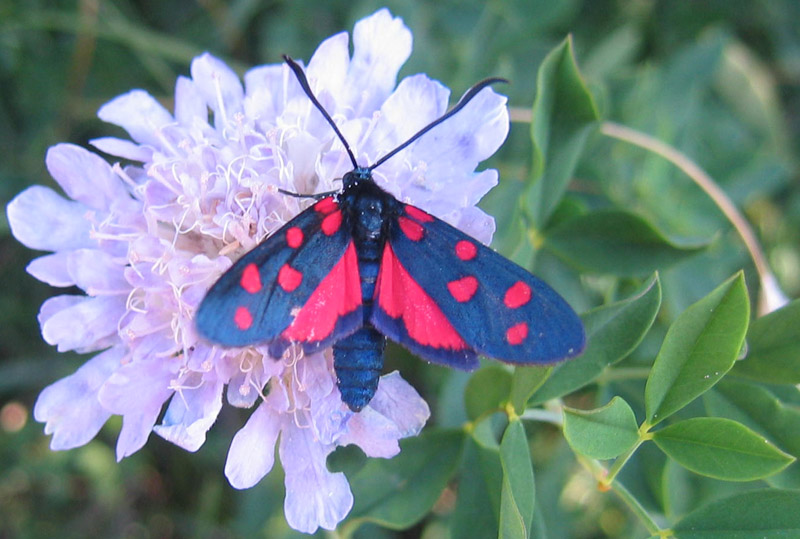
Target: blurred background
[718,79]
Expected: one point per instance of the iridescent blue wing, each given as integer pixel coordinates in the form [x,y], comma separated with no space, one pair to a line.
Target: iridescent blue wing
[448,298]
[299,285]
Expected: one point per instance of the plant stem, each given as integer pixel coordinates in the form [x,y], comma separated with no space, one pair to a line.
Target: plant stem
[771,296]
[601,475]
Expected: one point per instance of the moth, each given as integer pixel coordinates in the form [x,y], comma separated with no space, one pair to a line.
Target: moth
[359,266]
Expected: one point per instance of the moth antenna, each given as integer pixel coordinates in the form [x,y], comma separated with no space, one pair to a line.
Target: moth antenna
[315,196]
[466,98]
[301,78]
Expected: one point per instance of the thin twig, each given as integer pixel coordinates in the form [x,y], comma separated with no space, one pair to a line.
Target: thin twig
[771,296]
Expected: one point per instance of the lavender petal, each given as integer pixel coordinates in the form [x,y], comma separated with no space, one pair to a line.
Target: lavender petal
[70,408]
[41,219]
[252,451]
[84,176]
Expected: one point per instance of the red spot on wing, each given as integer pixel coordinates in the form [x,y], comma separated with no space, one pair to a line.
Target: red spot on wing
[294,237]
[412,229]
[243,319]
[463,289]
[517,295]
[338,294]
[289,278]
[326,206]
[517,333]
[418,214]
[399,295]
[466,250]
[331,223]
[251,280]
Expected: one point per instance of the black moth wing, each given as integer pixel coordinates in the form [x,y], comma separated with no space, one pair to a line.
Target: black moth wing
[500,310]
[253,302]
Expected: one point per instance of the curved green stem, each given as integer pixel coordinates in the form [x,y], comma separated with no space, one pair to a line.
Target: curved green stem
[771,296]
[600,474]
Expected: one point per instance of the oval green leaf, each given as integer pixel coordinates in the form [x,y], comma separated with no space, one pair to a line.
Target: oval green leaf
[699,348]
[563,113]
[753,514]
[603,433]
[773,348]
[617,242]
[398,492]
[487,390]
[759,409]
[721,448]
[613,331]
[525,382]
[517,495]
[477,511]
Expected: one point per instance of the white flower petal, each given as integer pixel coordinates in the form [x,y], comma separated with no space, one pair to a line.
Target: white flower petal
[43,220]
[138,113]
[267,88]
[381,45]
[138,385]
[190,414]
[327,68]
[70,408]
[137,391]
[314,375]
[243,388]
[136,429]
[252,451]
[476,223]
[52,269]
[123,148]
[374,433]
[84,176]
[56,304]
[398,401]
[190,106]
[415,103]
[315,497]
[96,272]
[83,325]
[330,417]
[465,139]
[219,86]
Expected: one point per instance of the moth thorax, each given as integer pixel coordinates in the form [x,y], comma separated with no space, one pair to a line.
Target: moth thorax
[369,212]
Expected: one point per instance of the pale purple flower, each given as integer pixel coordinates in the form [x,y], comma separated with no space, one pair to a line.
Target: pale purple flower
[145,242]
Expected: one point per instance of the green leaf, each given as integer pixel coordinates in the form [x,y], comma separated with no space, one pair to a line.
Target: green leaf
[517,497]
[480,481]
[753,514]
[699,348]
[761,411]
[603,433]
[758,409]
[487,390]
[525,382]
[613,332]
[616,242]
[398,492]
[721,448]
[563,113]
[774,348]
[489,455]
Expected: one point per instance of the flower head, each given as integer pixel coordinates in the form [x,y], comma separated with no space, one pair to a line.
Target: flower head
[145,242]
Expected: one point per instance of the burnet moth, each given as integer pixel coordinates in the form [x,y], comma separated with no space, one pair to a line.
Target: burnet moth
[359,266]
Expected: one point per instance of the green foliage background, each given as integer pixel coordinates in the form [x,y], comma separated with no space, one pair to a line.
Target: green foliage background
[719,80]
